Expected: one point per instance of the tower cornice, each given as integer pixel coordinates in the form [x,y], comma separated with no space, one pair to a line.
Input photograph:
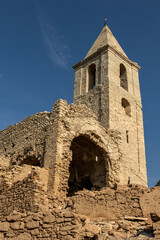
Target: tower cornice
[102,50]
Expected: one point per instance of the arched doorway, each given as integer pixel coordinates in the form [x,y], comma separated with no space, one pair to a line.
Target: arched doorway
[87,168]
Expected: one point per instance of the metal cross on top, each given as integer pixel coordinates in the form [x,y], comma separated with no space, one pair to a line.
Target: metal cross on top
[105,22]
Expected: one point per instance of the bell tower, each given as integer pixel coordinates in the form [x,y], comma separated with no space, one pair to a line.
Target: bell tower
[107,81]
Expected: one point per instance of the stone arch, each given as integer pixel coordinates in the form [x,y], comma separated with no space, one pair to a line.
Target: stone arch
[89,166]
[78,121]
[91,76]
[123,77]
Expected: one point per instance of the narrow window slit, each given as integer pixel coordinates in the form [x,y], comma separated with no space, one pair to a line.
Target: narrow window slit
[127,137]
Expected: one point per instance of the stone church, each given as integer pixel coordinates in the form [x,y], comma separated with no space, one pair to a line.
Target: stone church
[95,142]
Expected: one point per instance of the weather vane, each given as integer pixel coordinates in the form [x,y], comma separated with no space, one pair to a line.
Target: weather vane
[105,22]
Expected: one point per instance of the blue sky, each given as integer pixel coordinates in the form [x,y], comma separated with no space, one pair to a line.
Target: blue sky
[40,41]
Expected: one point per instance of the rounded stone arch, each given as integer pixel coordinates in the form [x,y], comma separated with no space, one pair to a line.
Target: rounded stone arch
[80,121]
[89,165]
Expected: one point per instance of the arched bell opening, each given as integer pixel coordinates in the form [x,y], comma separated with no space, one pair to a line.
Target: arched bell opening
[123,77]
[92,76]
[87,169]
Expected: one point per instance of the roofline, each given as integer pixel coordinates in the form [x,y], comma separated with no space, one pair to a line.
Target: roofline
[99,51]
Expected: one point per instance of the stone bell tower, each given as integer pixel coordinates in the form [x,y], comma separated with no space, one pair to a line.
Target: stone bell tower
[107,81]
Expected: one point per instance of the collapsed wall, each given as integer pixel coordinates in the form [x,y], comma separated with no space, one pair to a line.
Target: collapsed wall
[59,179]
[28,211]
[24,143]
[54,140]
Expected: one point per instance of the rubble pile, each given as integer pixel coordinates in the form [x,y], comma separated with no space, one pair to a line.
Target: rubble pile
[29,211]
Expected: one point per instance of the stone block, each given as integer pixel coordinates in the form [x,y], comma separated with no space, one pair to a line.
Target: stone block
[24,236]
[13,218]
[49,219]
[4,227]
[11,235]
[106,228]
[47,225]
[92,228]
[35,232]
[28,219]
[32,225]
[59,220]
[66,228]
[17,225]
[68,215]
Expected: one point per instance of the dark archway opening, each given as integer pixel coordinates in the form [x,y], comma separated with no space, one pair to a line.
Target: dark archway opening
[87,168]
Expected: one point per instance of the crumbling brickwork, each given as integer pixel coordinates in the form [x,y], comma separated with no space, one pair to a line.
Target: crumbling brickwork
[24,142]
[45,140]
[28,211]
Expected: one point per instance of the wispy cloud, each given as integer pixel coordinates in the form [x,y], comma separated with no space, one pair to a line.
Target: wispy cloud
[58,50]
[1,75]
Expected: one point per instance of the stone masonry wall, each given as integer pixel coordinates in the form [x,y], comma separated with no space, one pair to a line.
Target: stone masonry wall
[25,140]
[21,189]
[97,98]
[133,149]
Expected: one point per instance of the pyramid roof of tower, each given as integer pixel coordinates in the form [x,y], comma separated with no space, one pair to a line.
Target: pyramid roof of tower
[105,38]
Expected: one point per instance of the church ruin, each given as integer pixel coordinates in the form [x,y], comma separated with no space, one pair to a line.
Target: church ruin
[95,142]
[79,171]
